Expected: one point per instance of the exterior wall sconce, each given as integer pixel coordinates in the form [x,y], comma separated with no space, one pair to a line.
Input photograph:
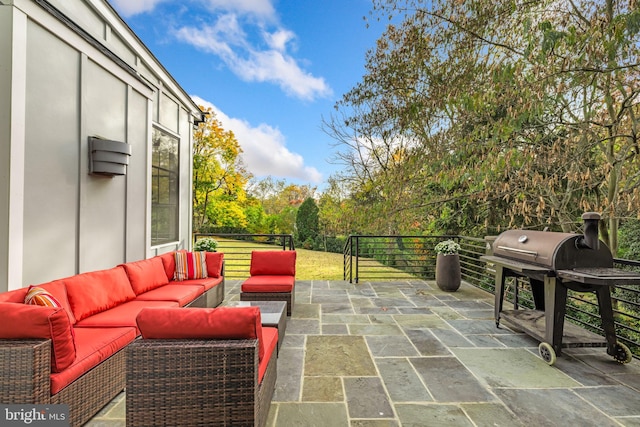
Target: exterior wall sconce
[108,158]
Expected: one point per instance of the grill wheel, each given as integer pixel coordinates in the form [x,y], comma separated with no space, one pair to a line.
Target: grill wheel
[622,353]
[547,353]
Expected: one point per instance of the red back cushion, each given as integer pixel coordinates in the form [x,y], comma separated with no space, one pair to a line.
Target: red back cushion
[58,289]
[146,274]
[273,263]
[97,291]
[55,288]
[21,321]
[214,264]
[16,295]
[169,262]
[202,323]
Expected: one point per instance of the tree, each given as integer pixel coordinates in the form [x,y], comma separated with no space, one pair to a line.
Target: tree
[334,209]
[499,109]
[280,201]
[307,225]
[276,195]
[219,177]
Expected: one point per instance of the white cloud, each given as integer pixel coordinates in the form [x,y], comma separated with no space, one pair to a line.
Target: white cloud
[251,59]
[264,149]
[134,7]
[262,8]
[226,39]
[279,39]
[219,39]
[280,68]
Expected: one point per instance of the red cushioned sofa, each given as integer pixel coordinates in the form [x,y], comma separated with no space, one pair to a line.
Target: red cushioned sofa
[201,366]
[273,278]
[74,353]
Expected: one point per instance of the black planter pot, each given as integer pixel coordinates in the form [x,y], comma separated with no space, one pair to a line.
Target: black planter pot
[448,276]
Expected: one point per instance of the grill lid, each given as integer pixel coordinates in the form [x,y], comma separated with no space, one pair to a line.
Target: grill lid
[555,251]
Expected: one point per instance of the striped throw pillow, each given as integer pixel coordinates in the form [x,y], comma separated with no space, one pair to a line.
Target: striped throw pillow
[190,265]
[38,296]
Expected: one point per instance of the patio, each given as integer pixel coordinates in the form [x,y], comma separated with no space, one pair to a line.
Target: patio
[404,353]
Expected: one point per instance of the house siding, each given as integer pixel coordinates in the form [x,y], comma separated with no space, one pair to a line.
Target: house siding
[58,87]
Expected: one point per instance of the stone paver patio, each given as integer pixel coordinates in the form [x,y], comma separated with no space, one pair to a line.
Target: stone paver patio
[404,353]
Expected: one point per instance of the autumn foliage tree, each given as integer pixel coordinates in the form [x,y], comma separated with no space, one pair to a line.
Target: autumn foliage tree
[501,113]
[280,201]
[219,178]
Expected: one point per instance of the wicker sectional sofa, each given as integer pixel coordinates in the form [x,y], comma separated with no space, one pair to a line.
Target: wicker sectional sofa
[201,367]
[76,354]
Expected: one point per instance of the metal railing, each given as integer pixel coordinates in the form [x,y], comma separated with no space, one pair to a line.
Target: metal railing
[376,257]
[368,257]
[373,258]
[237,249]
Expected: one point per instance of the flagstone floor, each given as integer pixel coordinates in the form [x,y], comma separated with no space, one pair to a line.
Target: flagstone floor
[406,354]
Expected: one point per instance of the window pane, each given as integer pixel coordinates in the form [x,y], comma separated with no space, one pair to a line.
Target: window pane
[164,188]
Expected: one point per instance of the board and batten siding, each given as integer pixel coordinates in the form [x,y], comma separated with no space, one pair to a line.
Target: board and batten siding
[58,87]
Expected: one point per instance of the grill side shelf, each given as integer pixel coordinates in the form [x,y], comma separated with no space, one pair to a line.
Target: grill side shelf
[597,277]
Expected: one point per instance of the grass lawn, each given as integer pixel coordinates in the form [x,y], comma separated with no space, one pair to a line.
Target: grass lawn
[315,265]
[310,265]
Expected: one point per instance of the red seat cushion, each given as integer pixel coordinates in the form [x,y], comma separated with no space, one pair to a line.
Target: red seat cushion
[97,291]
[34,321]
[122,315]
[214,264]
[182,294]
[270,339]
[202,323]
[207,283]
[146,274]
[94,345]
[276,263]
[268,284]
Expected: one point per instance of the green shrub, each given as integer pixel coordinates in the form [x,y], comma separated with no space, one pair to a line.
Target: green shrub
[205,244]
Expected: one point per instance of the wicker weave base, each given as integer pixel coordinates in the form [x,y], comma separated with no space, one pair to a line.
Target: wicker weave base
[215,296]
[211,298]
[288,297]
[197,382]
[26,365]
[94,389]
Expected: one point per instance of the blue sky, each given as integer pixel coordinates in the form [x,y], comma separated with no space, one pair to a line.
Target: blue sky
[271,69]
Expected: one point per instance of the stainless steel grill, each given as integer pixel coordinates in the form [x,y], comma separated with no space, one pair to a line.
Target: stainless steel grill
[553,263]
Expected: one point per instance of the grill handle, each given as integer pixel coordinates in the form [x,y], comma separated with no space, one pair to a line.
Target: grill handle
[520,251]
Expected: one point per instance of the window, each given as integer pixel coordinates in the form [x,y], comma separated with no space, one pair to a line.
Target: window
[164,188]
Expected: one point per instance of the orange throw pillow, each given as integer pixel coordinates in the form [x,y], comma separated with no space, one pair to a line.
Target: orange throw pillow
[38,296]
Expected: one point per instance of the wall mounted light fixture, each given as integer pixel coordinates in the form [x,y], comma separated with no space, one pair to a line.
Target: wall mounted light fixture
[108,157]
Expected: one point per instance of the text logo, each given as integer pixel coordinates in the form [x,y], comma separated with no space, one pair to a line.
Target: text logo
[34,415]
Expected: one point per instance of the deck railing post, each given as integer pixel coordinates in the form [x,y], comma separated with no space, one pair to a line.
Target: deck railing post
[357,257]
